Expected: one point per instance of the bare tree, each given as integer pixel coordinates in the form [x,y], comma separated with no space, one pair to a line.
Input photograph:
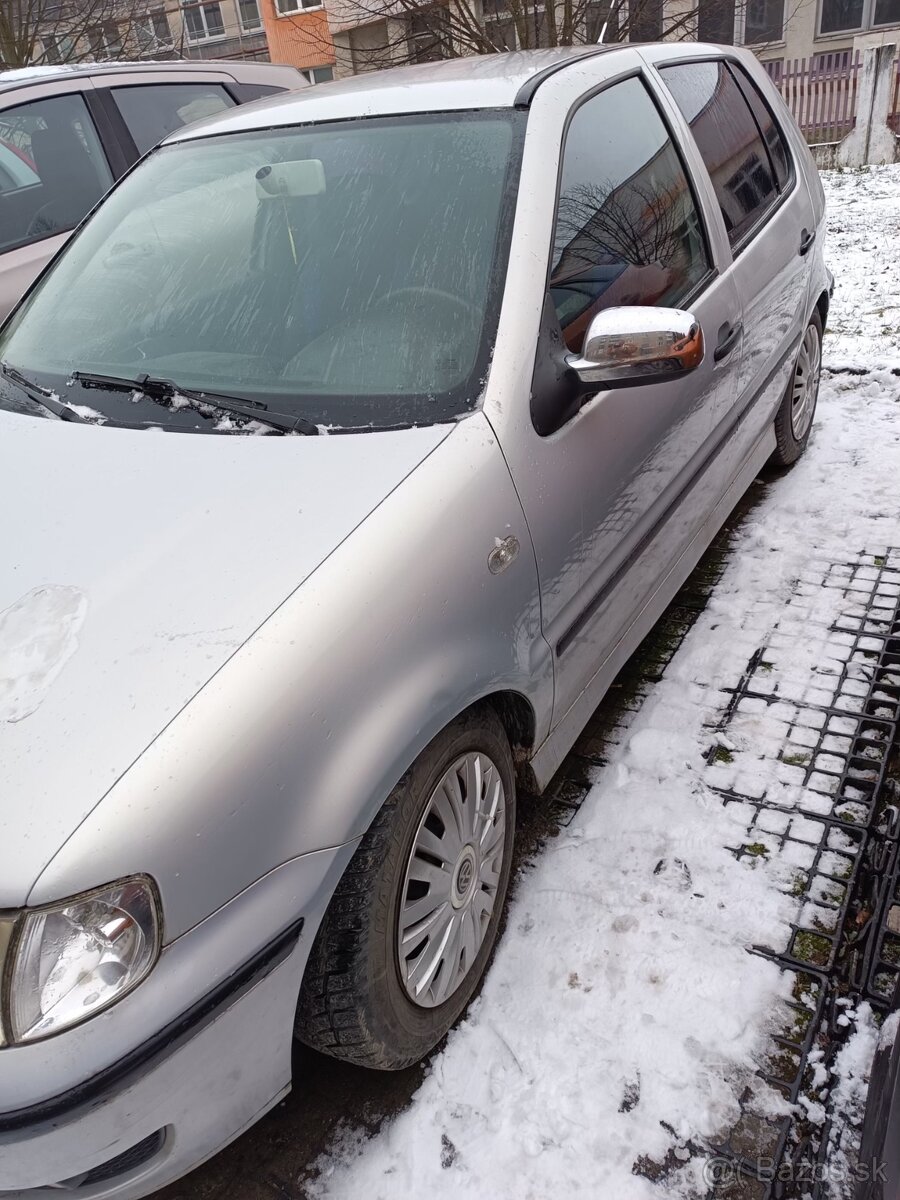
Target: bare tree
[391,32]
[38,32]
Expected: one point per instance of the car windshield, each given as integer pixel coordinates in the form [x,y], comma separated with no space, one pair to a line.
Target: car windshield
[349,273]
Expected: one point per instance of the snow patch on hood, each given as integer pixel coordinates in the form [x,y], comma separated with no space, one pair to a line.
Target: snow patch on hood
[38,636]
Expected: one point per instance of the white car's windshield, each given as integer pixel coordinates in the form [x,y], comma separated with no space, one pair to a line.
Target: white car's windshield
[348,272]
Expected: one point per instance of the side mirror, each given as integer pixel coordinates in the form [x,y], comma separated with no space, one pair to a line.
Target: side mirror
[627,346]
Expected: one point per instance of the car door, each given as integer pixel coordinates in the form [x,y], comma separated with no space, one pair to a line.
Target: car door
[767,211]
[598,490]
[57,170]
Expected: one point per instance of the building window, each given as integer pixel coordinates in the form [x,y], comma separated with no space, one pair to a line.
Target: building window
[887,12]
[764,21]
[715,21]
[58,48]
[848,16]
[601,17]
[839,16]
[250,18]
[284,8]
[203,21]
[645,20]
[501,30]
[152,32]
[429,35]
[321,74]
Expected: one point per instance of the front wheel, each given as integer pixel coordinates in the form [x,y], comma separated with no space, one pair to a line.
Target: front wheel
[410,928]
[793,422]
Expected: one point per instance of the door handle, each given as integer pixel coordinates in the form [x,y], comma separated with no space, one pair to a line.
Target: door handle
[807,237]
[728,338]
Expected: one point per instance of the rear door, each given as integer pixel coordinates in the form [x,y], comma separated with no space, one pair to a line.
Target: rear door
[53,170]
[768,217]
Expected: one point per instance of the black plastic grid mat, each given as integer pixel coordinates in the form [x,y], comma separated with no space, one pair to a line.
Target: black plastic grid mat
[830,817]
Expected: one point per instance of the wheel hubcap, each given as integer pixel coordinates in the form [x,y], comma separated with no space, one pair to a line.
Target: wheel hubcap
[452,880]
[805,385]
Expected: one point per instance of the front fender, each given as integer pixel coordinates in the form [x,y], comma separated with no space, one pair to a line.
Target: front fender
[296,742]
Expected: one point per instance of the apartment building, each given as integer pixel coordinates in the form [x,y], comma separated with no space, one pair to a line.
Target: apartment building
[348,36]
[204,29]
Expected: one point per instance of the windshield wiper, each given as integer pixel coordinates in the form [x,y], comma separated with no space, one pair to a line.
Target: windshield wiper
[165,391]
[44,398]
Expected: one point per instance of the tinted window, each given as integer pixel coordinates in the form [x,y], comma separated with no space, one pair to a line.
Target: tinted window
[153,111]
[255,91]
[772,135]
[728,139]
[627,229]
[52,169]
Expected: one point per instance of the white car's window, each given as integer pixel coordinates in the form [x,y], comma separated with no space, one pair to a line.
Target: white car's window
[350,272]
[152,111]
[52,169]
[627,226]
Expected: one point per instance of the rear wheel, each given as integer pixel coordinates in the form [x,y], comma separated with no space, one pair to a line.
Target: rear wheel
[411,926]
[793,422]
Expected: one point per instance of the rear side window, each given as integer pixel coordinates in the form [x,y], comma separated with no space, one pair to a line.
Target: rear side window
[52,169]
[255,91]
[768,127]
[153,111]
[627,228]
[729,141]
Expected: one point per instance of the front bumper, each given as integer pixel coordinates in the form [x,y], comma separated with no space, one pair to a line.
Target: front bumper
[148,1116]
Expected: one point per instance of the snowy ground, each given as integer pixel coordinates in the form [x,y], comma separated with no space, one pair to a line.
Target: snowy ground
[623,1016]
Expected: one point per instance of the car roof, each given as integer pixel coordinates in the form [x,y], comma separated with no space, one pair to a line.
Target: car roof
[19,76]
[475,82]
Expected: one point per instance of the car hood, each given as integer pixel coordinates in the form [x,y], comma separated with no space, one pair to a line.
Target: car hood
[134,564]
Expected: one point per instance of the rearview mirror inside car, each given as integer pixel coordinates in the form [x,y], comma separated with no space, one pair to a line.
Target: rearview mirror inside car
[302,177]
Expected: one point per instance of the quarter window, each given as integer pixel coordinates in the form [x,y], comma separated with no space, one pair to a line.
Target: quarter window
[729,141]
[54,169]
[152,111]
[627,227]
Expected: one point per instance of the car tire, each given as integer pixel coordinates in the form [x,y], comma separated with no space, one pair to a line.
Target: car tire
[369,997]
[794,420]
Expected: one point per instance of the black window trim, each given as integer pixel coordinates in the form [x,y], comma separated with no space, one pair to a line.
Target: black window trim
[642,74]
[767,213]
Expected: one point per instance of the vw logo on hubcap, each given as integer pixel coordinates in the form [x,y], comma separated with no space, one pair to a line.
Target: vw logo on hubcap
[463,878]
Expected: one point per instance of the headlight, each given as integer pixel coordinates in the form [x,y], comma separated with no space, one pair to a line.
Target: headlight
[72,960]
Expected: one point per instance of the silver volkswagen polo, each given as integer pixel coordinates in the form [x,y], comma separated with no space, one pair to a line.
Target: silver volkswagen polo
[347,451]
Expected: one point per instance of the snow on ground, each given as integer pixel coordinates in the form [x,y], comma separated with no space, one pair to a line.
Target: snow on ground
[623,1016]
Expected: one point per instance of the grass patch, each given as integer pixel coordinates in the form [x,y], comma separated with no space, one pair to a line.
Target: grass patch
[795,760]
[811,948]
